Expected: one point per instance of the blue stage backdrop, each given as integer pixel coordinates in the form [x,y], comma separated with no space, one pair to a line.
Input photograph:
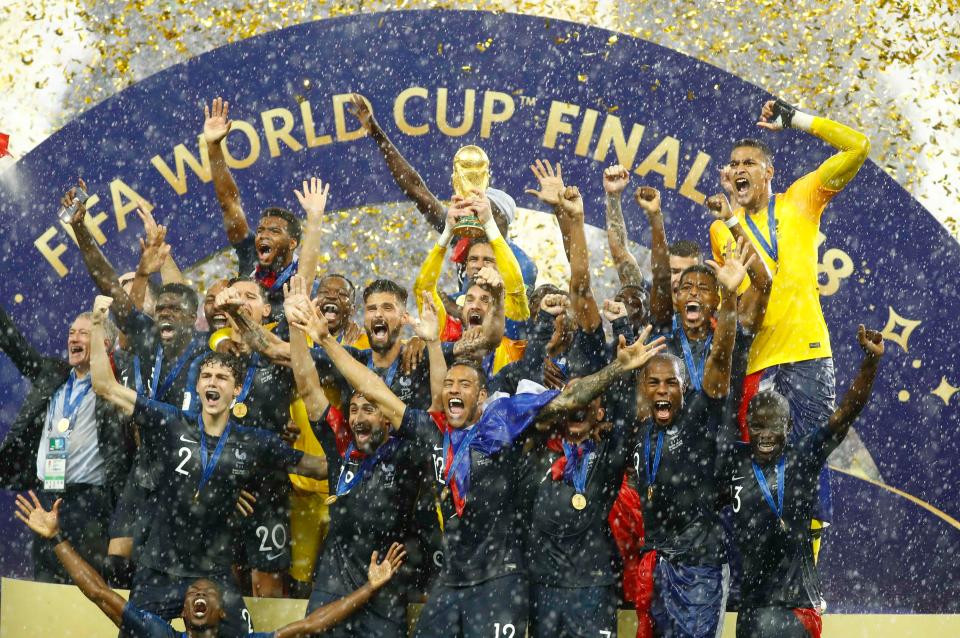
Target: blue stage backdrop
[520,87]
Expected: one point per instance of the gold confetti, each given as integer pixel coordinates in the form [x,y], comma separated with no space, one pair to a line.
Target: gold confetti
[582,77]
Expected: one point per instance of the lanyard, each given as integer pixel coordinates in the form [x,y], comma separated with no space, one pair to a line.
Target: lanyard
[208,465]
[248,379]
[652,470]
[770,247]
[765,489]
[694,370]
[343,485]
[391,371]
[158,388]
[285,274]
[580,473]
[70,404]
[462,450]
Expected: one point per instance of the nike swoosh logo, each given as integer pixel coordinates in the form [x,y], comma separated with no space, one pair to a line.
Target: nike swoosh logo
[184,438]
[273,556]
[737,478]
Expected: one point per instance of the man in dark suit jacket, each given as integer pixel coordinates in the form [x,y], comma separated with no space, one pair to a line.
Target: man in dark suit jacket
[59,412]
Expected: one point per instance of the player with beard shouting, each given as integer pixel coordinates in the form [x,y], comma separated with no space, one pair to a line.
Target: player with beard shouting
[202,608]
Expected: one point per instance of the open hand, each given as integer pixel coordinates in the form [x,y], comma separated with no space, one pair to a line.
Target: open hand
[216,124]
[427,326]
[412,355]
[359,108]
[153,247]
[313,198]
[637,354]
[550,181]
[734,269]
[380,573]
[32,514]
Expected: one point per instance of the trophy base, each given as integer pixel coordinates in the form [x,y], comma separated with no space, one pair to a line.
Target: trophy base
[469,227]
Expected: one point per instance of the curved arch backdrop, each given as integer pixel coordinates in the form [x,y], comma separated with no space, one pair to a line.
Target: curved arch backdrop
[520,87]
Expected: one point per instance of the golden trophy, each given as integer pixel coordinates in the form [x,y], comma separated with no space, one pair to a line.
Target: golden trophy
[471,172]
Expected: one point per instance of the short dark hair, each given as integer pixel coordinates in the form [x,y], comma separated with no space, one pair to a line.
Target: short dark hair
[293,222]
[673,360]
[183,291]
[473,242]
[245,279]
[226,360]
[535,298]
[768,400]
[388,286]
[685,248]
[700,268]
[473,365]
[331,275]
[752,142]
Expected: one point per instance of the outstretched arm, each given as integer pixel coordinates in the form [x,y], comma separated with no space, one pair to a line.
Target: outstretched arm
[427,327]
[46,525]
[104,383]
[253,333]
[336,612]
[23,355]
[103,274]
[856,397]
[569,212]
[854,146]
[716,371]
[296,302]
[661,296]
[216,125]
[313,199]
[154,251]
[615,180]
[406,177]
[357,375]
[578,394]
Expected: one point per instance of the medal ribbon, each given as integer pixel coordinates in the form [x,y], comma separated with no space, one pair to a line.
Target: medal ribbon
[70,404]
[771,247]
[694,370]
[391,371]
[651,471]
[248,379]
[208,465]
[384,451]
[578,463]
[765,488]
[455,474]
[157,388]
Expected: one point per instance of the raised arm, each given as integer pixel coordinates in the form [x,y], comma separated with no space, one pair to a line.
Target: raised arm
[103,274]
[615,180]
[515,305]
[104,383]
[23,355]
[854,146]
[357,374]
[427,327]
[856,397]
[313,199]
[296,302]
[569,211]
[154,251]
[429,274]
[716,371]
[661,295]
[753,302]
[578,394]
[46,525]
[253,333]
[406,177]
[216,125]
[336,612]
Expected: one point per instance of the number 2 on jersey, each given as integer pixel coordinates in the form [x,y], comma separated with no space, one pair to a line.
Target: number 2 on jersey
[185,453]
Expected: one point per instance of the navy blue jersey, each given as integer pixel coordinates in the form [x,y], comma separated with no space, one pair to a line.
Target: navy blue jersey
[681,518]
[485,541]
[144,340]
[248,261]
[191,534]
[373,514]
[778,566]
[412,389]
[143,624]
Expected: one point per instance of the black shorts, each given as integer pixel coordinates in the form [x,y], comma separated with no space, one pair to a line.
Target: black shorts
[573,612]
[265,535]
[497,608]
[133,513]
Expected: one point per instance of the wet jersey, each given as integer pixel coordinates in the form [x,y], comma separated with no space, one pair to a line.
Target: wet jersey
[143,624]
[373,514]
[191,534]
[778,567]
[412,389]
[681,519]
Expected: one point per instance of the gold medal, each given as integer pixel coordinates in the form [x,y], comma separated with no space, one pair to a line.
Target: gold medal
[196,496]
[240,410]
[445,493]
[783,525]
[650,493]
[331,499]
[63,424]
[579,501]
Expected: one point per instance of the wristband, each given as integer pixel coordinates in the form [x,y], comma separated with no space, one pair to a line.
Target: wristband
[444,238]
[56,539]
[802,121]
[490,227]
[733,221]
